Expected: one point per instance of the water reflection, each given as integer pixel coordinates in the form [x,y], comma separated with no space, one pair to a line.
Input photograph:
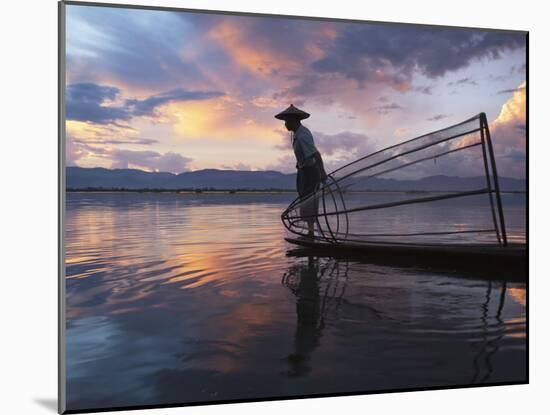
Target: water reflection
[161,311]
[494,330]
[319,286]
[319,291]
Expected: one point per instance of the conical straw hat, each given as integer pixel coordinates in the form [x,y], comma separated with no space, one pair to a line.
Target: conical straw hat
[292,112]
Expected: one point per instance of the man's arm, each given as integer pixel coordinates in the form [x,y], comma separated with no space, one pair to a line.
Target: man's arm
[298,151]
[321,166]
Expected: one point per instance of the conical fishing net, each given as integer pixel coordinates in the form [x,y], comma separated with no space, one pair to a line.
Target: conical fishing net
[439,188]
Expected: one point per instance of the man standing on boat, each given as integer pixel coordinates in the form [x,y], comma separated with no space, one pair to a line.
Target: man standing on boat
[309,163]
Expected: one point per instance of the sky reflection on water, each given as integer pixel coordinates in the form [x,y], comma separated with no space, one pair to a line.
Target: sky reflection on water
[185,298]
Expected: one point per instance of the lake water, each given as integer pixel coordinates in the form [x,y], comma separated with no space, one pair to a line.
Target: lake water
[175,298]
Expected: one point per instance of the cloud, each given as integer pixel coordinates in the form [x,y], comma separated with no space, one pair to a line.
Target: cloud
[284,164]
[427,90]
[81,153]
[513,112]
[347,117]
[73,151]
[94,103]
[239,166]
[265,102]
[513,71]
[87,102]
[400,132]
[508,136]
[246,50]
[273,55]
[385,109]
[97,145]
[114,141]
[438,117]
[463,81]
[267,47]
[511,90]
[345,144]
[222,118]
[518,69]
[149,160]
[393,53]
[117,44]
[84,154]
[105,134]
[508,132]
[148,105]
[336,150]
[263,64]
[192,114]
[515,155]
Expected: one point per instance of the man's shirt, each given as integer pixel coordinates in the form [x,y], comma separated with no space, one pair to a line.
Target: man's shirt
[302,143]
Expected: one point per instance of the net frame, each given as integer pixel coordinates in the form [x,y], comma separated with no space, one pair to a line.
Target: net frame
[466,135]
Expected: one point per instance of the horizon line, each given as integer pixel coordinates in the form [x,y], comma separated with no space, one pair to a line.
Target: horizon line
[267,171]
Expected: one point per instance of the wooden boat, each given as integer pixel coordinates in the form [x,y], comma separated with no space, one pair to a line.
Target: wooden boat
[511,252]
[482,261]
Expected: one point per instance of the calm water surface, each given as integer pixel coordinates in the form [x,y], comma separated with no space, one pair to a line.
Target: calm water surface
[175,298]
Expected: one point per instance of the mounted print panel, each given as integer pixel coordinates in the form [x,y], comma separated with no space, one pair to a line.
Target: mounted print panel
[265,207]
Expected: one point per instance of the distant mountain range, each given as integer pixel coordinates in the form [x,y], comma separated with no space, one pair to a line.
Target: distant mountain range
[85,178]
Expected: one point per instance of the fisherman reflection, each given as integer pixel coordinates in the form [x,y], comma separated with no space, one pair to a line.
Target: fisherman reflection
[305,282]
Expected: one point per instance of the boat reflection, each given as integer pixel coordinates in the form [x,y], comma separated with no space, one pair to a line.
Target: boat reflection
[319,285]
[489,345]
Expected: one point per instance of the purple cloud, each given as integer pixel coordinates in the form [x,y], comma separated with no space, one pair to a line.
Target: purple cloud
[336,150]
[86,102]
[148,105]
[437,117]
[463,81]
[385,109]
[116,141]
[511,90]
[361,52]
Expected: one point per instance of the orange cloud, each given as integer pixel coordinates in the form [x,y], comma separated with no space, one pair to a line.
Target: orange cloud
[317,50]
[260,61]
[223,118]
[514,108]
[510,135]
[83,129]
[507,130]
[85,155]
[266,102]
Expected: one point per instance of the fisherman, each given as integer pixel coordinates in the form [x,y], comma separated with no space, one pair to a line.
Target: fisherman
[309,163]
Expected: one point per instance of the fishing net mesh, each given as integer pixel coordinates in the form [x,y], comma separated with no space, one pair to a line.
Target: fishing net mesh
[439,188]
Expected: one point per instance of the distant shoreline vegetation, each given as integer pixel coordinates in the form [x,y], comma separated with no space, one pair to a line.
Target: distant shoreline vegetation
[237,181]
[242,190]
[184,190]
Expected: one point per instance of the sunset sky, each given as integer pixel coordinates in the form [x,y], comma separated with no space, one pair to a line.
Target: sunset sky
[178,91]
